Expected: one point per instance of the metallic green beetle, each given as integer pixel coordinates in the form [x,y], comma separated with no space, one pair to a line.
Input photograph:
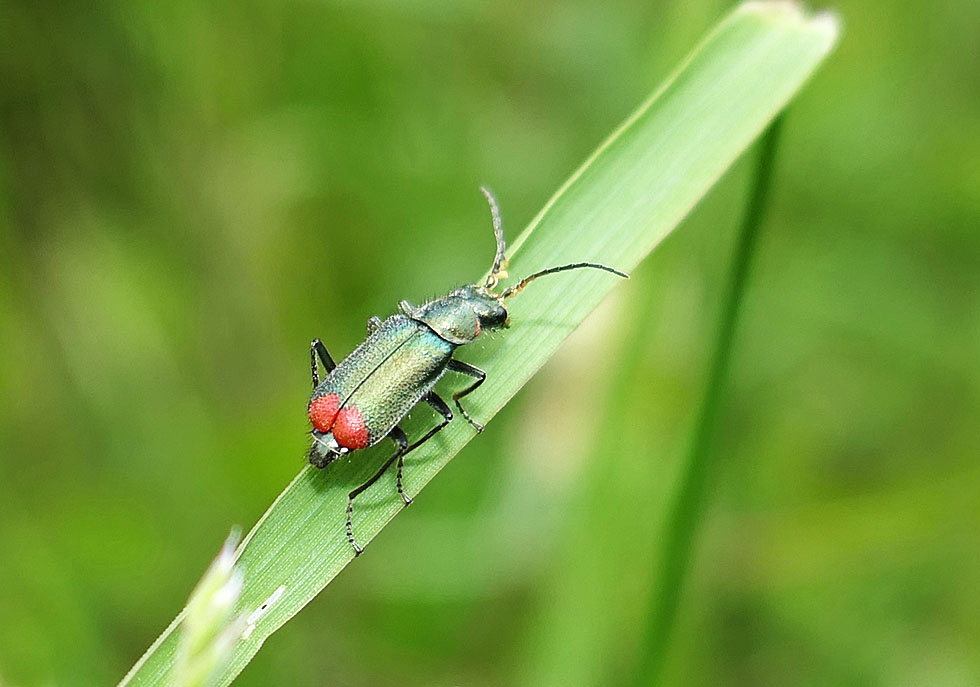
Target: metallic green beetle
[362,399]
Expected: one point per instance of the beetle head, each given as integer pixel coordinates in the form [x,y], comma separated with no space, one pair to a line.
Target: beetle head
[486,305]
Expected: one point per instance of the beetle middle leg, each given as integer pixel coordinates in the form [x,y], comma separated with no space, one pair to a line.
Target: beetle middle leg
[403,448]
[398,436]
[318,349]
[440,407]
[472,371]
[401,441]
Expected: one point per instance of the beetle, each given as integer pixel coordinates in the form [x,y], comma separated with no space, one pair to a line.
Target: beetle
[362,399]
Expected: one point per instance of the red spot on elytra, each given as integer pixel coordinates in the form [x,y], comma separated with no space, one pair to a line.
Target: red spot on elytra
[323,411]
[349,429]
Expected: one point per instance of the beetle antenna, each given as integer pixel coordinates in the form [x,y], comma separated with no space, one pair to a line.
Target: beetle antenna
[517,288]
[499,260]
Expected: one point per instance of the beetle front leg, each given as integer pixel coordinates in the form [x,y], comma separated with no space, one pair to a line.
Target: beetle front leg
[318,349]
[473,371]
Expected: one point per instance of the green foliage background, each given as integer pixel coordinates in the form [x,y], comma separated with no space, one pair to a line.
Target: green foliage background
[189,193]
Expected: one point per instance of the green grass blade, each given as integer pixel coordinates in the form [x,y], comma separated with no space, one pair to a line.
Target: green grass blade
[626,198]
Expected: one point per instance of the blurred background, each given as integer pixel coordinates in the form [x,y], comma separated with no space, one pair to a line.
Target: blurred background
[190,192]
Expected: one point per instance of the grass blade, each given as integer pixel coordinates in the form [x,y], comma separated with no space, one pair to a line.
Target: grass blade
[615,209]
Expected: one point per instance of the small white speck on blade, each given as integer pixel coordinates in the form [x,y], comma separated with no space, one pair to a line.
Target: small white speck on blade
[263,608]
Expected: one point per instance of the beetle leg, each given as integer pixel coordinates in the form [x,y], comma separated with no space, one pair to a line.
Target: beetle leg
[402,442]
[440,407]
[398,436]
[373,323]
[318,349]
[403,448]
[473,371]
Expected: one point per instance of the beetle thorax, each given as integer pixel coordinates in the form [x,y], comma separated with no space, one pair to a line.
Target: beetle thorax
[463,314]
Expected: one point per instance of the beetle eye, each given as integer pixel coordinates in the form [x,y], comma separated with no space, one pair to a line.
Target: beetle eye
[497,317]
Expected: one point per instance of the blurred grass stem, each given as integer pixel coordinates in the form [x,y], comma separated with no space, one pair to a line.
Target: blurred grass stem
[210,629]
[685,512]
